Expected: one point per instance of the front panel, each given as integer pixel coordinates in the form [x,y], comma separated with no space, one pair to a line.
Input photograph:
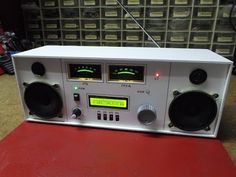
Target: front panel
[142,95]
[146,88]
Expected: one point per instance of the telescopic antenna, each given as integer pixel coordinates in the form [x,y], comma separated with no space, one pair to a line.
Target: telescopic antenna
[133,18]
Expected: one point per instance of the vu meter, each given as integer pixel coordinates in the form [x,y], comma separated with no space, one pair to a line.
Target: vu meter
[85,72]
[120,73]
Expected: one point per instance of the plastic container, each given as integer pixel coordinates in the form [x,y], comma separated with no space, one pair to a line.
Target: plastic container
[205,2]
[132,36]
[223,49]
[200,46]
[50,13]
[157,36]
[52,35]
[111,12]
[76,43]
[156,12]
[38,44]
[129,24]
[223,25]
[133,2]
[179,24]
[200,37]
[70,12]
[224,37]
[111,24]
[180,2]
[224,12]
[132,44]
[155,24]
[32,15]
[69,3]
[70,24]
[151,44]
[35,35]
[115,44]
[135,12]
[204,12]
[156,2]
[202,25]
[33,25]
[51,24]
[90,2]
[91,35]
[109,2]
[90,24]
[176,45]
[49,3]
[177,37]
[111,36]
[85,43]
[180,12]
[49,42]
[71,35]
[90,12]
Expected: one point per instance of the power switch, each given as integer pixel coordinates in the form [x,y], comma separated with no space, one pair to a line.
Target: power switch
[76,97]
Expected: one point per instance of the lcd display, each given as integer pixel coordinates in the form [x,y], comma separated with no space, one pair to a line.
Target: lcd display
[124,73]
[85,72]
[108,102]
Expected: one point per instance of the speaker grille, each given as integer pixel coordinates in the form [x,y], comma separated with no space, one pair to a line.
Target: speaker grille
[42,100]
[192,110]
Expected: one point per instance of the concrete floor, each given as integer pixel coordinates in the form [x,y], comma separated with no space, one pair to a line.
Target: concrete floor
[11,114]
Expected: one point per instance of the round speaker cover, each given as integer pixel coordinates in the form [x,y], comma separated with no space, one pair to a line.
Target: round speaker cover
[192,110]
[42,100]
[198,76]
[38,68]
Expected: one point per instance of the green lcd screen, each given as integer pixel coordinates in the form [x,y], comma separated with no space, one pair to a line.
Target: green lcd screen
[108,102]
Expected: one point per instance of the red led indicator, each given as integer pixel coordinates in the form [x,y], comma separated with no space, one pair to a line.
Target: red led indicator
[157,74]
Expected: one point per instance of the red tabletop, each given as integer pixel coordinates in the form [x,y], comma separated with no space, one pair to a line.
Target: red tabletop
[43,150]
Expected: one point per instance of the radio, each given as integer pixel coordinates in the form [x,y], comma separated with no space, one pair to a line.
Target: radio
[174,91]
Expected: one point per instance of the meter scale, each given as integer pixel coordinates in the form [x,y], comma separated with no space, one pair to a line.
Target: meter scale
[121,73]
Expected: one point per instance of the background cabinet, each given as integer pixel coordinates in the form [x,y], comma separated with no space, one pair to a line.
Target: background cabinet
[172,23]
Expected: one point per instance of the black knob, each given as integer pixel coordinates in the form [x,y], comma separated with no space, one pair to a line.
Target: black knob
[198,76]
[76,113]
[38,69]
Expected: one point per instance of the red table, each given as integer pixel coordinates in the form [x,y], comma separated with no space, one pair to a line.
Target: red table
[43,150]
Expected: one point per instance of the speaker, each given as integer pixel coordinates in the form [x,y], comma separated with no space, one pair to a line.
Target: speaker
[173,91]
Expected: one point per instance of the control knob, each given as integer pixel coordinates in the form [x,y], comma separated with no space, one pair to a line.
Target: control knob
[146,114]
[76,113]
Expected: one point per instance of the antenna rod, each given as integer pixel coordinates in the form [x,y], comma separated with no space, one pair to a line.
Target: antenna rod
[144,30]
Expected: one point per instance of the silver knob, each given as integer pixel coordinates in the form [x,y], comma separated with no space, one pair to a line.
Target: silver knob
[146,114]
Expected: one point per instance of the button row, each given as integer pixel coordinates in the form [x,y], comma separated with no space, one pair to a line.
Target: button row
[104,116]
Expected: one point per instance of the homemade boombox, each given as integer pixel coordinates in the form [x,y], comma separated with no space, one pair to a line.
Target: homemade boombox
[174,91]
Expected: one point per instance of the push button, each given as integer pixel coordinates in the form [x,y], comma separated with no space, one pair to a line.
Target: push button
[117,117]
[104,116]
[99,116]
[76,97]
[111,117]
